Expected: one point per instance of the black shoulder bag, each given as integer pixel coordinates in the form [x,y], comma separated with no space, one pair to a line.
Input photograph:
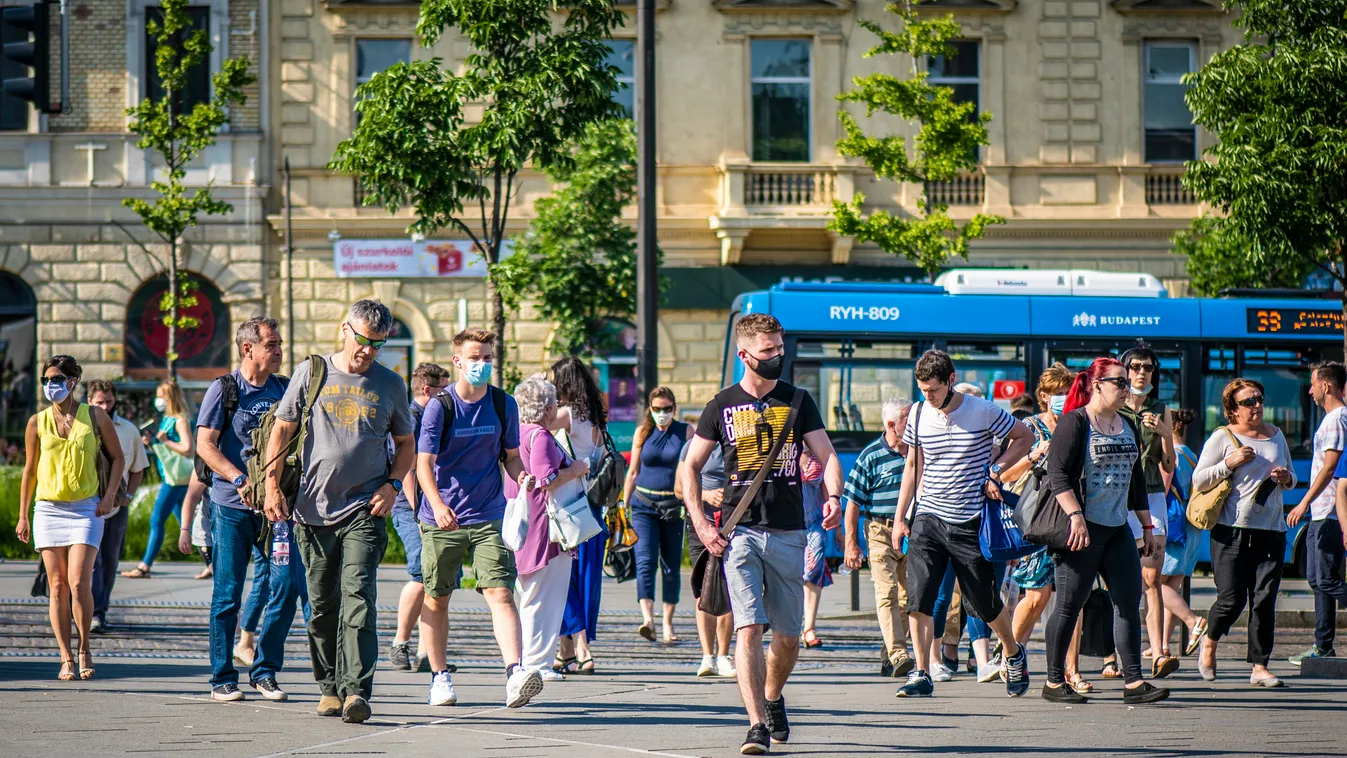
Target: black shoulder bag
[709,573]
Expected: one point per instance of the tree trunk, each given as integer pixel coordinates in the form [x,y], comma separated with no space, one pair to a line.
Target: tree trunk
[170,358]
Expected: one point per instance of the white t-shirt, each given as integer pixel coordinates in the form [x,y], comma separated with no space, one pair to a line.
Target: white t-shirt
[1331,435]
[956,450]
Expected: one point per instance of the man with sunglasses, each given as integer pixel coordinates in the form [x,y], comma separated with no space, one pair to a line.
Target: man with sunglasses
[224,441]
[348,489]
[953,468]
[764,557]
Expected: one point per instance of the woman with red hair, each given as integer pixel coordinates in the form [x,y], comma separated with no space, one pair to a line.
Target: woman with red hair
[1094,470]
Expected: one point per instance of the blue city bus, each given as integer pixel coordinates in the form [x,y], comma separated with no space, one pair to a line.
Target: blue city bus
[853,344]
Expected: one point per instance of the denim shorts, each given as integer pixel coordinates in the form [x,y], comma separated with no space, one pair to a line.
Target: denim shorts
[404,521]
[765,574]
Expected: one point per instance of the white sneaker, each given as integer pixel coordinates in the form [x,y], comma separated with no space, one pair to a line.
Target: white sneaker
[940,672]
[989,672]
[442,690]
[724,667]
[522,686]
[548,675]
[708,667]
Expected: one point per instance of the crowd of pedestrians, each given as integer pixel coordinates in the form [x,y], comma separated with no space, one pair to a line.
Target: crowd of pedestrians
[297,477]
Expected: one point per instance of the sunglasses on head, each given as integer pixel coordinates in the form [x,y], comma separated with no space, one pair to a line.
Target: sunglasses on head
[1140,367]
[58,379]
[364,341]
[1117,381]
[1250,402]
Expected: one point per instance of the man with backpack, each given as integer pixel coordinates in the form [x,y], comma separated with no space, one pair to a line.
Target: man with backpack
[327,462]
[428,380]
[233,407]
[468,432]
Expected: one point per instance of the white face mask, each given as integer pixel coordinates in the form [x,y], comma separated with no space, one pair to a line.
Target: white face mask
[661,417]
[160,404]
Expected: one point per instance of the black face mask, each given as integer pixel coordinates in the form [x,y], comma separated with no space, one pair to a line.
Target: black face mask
[769,368]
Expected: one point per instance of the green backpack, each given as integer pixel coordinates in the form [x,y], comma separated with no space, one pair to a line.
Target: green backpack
[292,467]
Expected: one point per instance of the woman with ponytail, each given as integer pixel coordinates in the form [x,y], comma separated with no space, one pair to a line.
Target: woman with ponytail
[1094,470]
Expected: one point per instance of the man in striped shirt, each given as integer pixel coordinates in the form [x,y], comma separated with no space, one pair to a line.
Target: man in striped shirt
[952,472]
[872,491]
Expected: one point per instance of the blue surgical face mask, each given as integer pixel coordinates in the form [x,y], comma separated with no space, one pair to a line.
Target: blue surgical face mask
[477,373]
[1057,404]
[55,392]
[1143,391]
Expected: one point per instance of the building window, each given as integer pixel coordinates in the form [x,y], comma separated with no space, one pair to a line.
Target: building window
[960,72]
[398,352]
[781,99]
[1170,134]
[375,55]
[203,350]
[622,55]
[197,87]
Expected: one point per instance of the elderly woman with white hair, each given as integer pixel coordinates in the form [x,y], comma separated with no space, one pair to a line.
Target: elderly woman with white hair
[544,569]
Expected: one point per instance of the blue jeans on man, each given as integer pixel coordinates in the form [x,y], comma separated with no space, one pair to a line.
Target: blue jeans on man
[235,533]
[1324,558]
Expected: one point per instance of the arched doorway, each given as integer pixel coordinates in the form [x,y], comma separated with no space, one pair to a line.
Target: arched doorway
[398,352]
[203,350]
[18,358]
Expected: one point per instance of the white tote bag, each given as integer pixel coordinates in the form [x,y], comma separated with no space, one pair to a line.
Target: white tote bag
[514,529]
[570,520]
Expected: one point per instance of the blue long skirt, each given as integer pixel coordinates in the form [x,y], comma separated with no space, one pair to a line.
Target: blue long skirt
[582,602]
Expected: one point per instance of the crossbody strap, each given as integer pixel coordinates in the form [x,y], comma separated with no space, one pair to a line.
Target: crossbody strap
[911,512]
[727,528]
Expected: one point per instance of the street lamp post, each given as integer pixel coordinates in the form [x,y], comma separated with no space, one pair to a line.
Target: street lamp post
[647,274]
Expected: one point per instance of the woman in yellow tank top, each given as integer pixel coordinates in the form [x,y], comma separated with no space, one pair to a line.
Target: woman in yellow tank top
[67,526]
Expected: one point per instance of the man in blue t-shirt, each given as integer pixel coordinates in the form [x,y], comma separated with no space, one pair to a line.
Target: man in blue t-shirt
[224,443]
[461,507]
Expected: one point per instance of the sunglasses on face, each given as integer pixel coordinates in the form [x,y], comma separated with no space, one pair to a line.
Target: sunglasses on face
[662,408]
[1250,402]
[1117,381]
[57,379]
[364,341]
[1137,368]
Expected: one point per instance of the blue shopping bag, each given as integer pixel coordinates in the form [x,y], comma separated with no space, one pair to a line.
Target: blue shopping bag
[999,536]
[1176,519]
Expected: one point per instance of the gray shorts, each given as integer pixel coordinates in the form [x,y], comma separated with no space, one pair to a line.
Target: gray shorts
[765,574]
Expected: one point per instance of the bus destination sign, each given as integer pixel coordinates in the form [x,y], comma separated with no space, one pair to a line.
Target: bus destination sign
[1295,320]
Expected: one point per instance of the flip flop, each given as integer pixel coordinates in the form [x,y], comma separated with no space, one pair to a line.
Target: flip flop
[647,631]
[1111,671]
[1195,636]
[1164,666]
[139,572]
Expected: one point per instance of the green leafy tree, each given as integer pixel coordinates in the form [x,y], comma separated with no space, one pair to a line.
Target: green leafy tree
[578,257]
[178,137]
[945,146]
[537,81]
[1218,260]
[1278,172]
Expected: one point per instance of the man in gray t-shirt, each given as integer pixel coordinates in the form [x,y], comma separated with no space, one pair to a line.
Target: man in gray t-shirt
[348,488]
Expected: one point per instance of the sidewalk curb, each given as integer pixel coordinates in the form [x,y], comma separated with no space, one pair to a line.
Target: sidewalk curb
[1288,619]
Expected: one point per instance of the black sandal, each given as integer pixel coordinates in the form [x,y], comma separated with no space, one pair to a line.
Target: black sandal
[560,664]
[585,667]
[1111,671]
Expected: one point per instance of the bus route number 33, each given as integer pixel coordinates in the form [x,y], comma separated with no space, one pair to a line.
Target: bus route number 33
[858,313]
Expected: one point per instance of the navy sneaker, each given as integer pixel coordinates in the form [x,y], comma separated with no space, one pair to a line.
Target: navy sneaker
[1016,670]
[918,685]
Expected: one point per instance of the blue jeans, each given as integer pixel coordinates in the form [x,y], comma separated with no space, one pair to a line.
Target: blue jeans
[257,593]
[235,532]
[943,600]
[166,506]
[1323,567]
[659,542]
[977,628]
[409,531]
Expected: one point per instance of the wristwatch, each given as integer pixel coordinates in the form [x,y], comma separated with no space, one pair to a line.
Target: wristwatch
[397,484]
[239,480]
[996,469]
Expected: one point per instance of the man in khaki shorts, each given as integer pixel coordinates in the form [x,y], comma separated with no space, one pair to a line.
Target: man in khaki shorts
[467,433]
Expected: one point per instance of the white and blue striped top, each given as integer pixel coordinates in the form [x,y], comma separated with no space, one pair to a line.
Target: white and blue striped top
[956,451]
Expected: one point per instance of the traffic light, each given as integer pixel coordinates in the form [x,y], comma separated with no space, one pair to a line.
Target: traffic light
[20,21]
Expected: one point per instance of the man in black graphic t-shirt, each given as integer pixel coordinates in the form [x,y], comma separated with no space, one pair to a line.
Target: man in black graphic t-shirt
[764,557]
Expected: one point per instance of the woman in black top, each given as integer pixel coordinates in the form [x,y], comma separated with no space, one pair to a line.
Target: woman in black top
[1094,471]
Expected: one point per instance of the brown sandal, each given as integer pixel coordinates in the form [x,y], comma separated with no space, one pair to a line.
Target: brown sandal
[1164,666]
[67,673]
[139,572]
[1079,683]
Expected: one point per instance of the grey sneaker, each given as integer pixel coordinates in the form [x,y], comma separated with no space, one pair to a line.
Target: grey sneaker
[400,655]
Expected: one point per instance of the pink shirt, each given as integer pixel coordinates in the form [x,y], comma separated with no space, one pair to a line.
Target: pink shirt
[543,458]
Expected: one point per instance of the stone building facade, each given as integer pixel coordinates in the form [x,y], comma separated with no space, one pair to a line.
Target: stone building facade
[1083,163]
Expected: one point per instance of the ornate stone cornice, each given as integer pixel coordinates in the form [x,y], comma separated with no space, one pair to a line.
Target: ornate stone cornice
[963,6]
[1168,6]
[783,6]
[1209,27]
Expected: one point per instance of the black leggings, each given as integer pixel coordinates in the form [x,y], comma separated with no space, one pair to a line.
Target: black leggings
[1112,554]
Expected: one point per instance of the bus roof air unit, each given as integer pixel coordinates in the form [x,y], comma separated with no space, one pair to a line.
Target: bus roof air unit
[1062,282]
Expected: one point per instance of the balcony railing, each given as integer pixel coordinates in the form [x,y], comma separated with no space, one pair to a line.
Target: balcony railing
[1165,187]
[965,190]
[787,189]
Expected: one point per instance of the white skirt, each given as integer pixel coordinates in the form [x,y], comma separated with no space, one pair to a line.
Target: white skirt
[63,524]
[1159,516]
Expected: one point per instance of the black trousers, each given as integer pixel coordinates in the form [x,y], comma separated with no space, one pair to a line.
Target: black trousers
[1112,555]
[1247,564]
[932,547]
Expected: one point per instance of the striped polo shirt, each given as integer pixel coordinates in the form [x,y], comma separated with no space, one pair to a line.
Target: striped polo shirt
[956,451]
[875,480]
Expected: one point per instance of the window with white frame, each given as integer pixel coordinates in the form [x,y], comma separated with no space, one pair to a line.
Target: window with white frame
[622,55]
[375,55]
[781,91]
[1170,136]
